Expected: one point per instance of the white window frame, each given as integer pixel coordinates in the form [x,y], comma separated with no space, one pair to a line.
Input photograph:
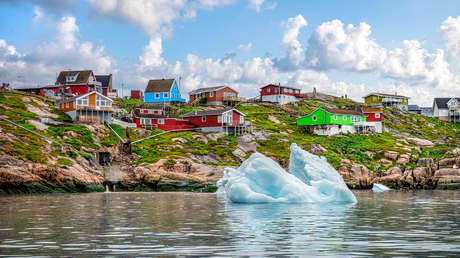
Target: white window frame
[157,95]
[203,118]
[160,121]
[219,119]
[211,94]
[377,115]
[165,95]
[314,118]
[268,90]
[344,117]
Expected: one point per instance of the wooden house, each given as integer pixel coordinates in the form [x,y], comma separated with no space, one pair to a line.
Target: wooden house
[137,94]
[157,119]
[90,107]
[280,94]
[387,100]
[78,82]
[220,95]
[218,120]
[106,84]
[374,118]
[447,109]
[328,121]
[163,91]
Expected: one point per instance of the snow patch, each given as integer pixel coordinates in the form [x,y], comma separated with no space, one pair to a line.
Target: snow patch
[378,188]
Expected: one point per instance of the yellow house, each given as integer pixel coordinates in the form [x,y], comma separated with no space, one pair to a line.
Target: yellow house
[387,100]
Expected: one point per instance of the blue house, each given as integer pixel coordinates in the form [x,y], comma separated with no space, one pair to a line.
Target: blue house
[163,91]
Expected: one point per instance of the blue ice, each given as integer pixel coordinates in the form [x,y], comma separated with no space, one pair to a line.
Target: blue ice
[260,180]
[378,188]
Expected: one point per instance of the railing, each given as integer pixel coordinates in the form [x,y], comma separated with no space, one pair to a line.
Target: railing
[234,98]
[123,123]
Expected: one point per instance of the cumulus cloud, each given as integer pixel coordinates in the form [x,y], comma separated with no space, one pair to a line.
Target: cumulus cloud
[290,43]
[335,46]
[450,30]
[38,14]
[41,64]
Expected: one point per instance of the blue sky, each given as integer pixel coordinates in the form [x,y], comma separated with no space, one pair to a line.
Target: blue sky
[406,46]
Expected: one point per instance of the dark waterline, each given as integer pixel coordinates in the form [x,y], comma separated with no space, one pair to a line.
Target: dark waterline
[422,223]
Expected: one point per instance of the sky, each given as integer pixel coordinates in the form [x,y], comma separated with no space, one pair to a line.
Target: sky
[351,48]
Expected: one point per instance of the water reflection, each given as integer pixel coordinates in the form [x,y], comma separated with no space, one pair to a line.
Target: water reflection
[390,223]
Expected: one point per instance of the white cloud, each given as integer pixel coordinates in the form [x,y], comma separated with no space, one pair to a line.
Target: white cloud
[334,46]
[246,47]
[290,43]
[259,5]
[38,14]
[450,29]
[40,65]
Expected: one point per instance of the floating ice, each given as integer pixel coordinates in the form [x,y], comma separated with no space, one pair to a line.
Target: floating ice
[377,188]
[259,179]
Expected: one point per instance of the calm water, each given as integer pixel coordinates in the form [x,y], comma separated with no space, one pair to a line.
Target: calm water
[395,223]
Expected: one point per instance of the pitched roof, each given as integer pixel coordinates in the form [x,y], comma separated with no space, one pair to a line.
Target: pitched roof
[290,87]
[82,96]
[210,112]
[386,95]
[371,110]
[442,102]
[208,89]
[163,85]
[343,111]
[82,77]
[104,79]
[35,87]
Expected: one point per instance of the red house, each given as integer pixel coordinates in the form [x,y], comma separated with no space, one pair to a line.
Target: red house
[218,120]
[155,118]
[214,95]
[280,94]
[78,82]
[106,84]
[137,94]
[374,117]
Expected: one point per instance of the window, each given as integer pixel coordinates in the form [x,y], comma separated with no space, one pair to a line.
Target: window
[173,95]
[335,117]
[344,117]
[377,115]
[277,90]
[211,94]
[219,119]
[314,118]
[161,121]
[157,95]
[268,90]
[165,95]
[203,119]
[374,98]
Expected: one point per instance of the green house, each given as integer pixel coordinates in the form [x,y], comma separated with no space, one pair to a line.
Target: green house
[329,116]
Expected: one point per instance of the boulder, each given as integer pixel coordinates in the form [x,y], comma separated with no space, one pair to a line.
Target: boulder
[369,153]
[423,175]
[179,139]
[420,142]
[215,136]
[393,171]
[455,151]
[200,138]
[317,148]
[344,162]
[261,136]
[247,143]
[402,160]
[447,177]
[274,119]
[239,153]
[449,162]
[358,176]
[425,162]
[386,162]
[393,155]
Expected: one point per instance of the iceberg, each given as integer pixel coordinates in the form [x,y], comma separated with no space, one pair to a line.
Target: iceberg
[378,188]
[260,180]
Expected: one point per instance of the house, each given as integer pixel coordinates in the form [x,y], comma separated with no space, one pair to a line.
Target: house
[78,82]
[163,91]
[106,85]
[427,111]
[280,94]
[218,120]
[387,100]
[414,109]
[447,109]
[137,94]
[90,107]
[50,91]
[219,95]
[328,121]
[374,118]
[156,118]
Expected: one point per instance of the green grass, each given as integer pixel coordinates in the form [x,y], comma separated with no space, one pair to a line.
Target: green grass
[64,162]
[85,138]
[85,155]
